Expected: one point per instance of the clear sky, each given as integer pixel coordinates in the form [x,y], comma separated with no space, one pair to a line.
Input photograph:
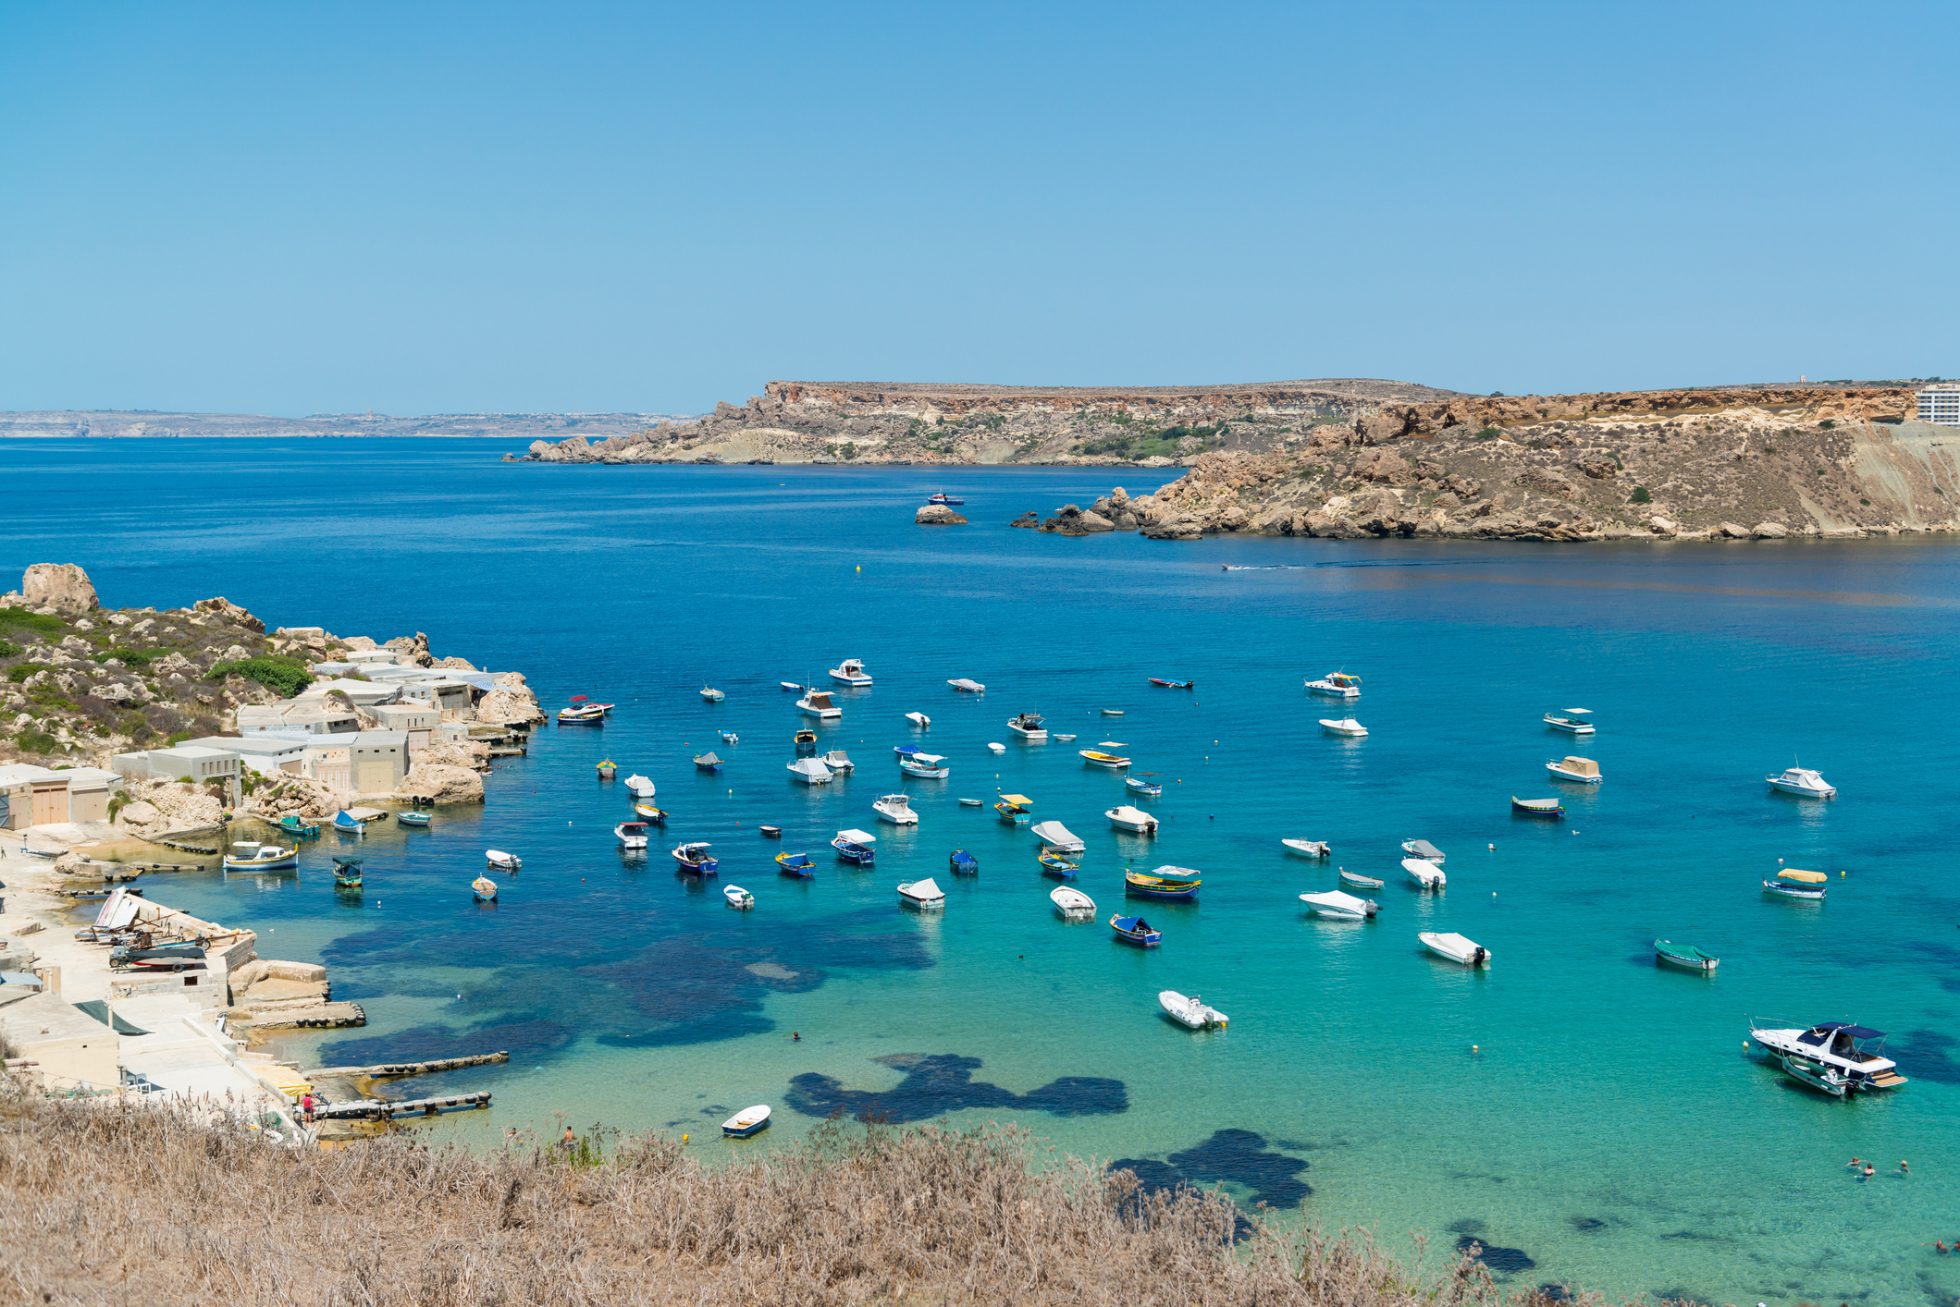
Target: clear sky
[429,207]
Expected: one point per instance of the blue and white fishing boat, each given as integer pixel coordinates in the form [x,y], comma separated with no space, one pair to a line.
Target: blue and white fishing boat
[1135,930]
[962,863]
[914,761]
[1055,866]
[299,828]
[797,866]
[694,859]
[412,817]
[1173,884]
[250,855]
[749,1121]
[941,498]
[1149,789]
[346,823]
[856,846]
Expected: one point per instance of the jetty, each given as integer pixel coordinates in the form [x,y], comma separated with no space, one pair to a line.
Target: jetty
[396,1070]
[377,1109]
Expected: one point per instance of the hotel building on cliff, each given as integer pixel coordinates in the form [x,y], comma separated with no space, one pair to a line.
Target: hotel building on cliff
[1940,404]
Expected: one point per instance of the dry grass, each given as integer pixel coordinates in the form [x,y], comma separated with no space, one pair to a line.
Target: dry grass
[114,1204]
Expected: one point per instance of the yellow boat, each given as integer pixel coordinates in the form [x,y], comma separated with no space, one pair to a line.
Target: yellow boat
[1014,808]
[1175,883]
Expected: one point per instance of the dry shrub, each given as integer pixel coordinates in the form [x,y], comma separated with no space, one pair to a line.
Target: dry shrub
[104,1203]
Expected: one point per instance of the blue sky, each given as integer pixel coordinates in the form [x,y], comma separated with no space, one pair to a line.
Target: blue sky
[447,207]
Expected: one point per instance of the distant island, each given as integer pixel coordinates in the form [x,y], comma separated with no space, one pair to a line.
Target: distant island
[112,424]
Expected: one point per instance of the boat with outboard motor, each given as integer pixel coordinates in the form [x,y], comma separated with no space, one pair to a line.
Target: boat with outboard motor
[922,895]
[1170,884]
[502,861]
[1686,957]
[1355,880]
[1142,785]
[1459,949]
[896,809]
[1336,906]
[851,672]
[1056,836]
[1336,685]
[1855,1052]
[1803,782]
[1573,721]
[632,835]
[810,771]
[1426,874]
[914,761]
[1135,930]
[693,858]
[1134,820]
[1346,727]
[1072,904]
[1028,725]
[1190,1011]
[737,897]
[639,786]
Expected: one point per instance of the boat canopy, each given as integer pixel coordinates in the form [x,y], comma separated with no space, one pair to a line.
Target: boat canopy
[1804,877]
[1817,1034]
[708,760]
[857,836]
[1583,766]
[1576,712]
[1018,800]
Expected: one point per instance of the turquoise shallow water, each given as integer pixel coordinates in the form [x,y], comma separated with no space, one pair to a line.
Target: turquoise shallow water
[1606,1129]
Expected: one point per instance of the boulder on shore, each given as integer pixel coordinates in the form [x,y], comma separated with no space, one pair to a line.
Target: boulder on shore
[937,515]
[64,587]
[441,782]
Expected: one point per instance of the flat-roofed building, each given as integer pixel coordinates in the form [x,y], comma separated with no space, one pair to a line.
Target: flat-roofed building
[307,716]
[1940,404]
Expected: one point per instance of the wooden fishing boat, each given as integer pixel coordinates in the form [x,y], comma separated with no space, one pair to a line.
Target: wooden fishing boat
[1796,883]
[962,863]
[693,858]
[1537,807]
[1135,930]
[1355,880]
[410,817]
[1172,884]
[607,769]
[299,828]
[971,803]
[484,890]
[797,866]
[1014,809]
[748,1121]
[347,873]
[1162,683]
[250,855]
[856,846]
[707,762]
[346,823]
[649,814]
[1099,758]
[1055,866]
[1685,956]
[1147,788]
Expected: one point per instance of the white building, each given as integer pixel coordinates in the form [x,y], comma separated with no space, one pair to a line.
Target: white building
[359,762]
[297,716]
[1940,404]
[266,753]
[36,796]
[196,763]
[361,694]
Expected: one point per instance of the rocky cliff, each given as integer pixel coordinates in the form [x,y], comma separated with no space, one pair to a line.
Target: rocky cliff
[869,422]
[1761,462]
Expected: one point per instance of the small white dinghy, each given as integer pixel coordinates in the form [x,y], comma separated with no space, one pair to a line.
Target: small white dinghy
[1425,873]
[631,834]
[995,746]
[502,861]
[738,897]
[1359,881]
[921,894]
[1073,904]
[639,786]
[1308,848]
[1190,1011]
[1346,727]
[1459,949]
[1134,820]
[1056,836]
[748,1121]
[711,694]
[919,720]
[1336,906]
[1423,849]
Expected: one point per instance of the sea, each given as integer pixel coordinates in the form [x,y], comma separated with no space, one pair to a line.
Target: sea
[1584,1116]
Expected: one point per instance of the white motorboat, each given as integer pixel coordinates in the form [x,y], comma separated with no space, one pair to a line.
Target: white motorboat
[1064,737]
[1853,1052]
[711,694]
[1100,758]
[925,766]
[1573,721]
[1457,948]
[967,685]
[631,834]
[1336,906]
[811,771]
[1072,904]
[1796,883]
[851,672]
[1112,712]
[502,861]
[738,897]
[1802,782]
[1344,726]
[819,704]
[1308,848]
[919,720]
[839,762]
[639,786]
[1028,726]
[1056,836]
[1336,685]
[1134,820]
[250,855]
[794,687]
[730,737]
[1189,1010]
[1358,881]
[896,809]
[995,746]
[921,894]
[748,1121]
[1423,849]
[1571,768]
[1425,873]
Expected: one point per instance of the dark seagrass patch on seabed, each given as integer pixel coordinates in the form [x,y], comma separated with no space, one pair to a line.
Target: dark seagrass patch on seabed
[1236,1157]
[525,1041]
[938,1083]
[1501,1260]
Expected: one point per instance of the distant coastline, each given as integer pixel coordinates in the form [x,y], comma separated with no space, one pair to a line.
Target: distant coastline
[106,424]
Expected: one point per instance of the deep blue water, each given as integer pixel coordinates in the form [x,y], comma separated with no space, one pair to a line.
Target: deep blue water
[1590,1115]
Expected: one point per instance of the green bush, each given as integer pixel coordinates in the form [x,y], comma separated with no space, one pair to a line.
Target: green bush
[33,740]
[1640,495]
[283,676]
[21,671]
[138,659]
[1488,433]
[1828,424]
[21,619]
[8,649]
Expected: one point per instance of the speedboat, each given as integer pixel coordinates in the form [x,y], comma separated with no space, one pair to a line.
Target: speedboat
[730,737]
[1425,873]
[839,762]
[707,762]
[1457,948]
[794,687]
[1112,712]
[1337,906]
[796,865]
[1072,904]
[1685,956]
[922,894]
[1055,866]
[1148,789]
[1013,809]
[962,863]
[1355,880]
[858,846]
[250,855]
[483,890]
[1573,721]
[1344,726]
[711,694]
[1172,884]
[631,834]
[1134,820]
[694,859]
[501,861]
[1569,768]
[1056,836]
[1189,1010]
[851,672]
[1064,737]
[1423,849]
[919,720]
[639,786]
[1854,1052]
[748,1121]
[583,714]
[925,766]
[967,685]
[896,809]
[1097,758]
[737,897]
[818,704]
[944,500]
[811,771]
[1163,684]
[649,814]
[805,741]
[1308,848]
[1537,807]
[1796,883]
[1135,930]
[1336,685]
[1028,726]
[1802,782]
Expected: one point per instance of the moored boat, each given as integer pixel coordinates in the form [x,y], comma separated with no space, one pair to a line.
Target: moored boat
[1537,807]
[299,828]
[1355,880]
[810,771]
[839,762]
[1134,820]
[1028,726]
[962,863]
[995,746]
[1346,727]
[851,672]
[1796,883]
[896,809]
[583,714]
[1583,771]
[921,894]
[607,769]
[1164,683]
[484,890]
[411,817]
[1573,721]
[347,873]
[1112,712]
[1802,782]
[730,737]
[794,687]
[1308,848]
[631,834]
[639,786]
[748,1121]
[796,865]
[1135,930]
[967,685]
[925,766]
[1336,906]
[707,762]
[1149,789]
[737,897]
[502,861]
[1013,809]
[944,500]
[251,855]
[1854,1052]
[1336,685]
[694,858]
[1456,948]
[858,846]
[1685,956]
[346,823]
[919,720]
[1072,904]
[711,694]
[1425,873]
[1100,758]
[805,741]
[819,704]
[1172,884]
[1423,849]
[1190,1011]
[1054,835]
[1055,866]
[649,814]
